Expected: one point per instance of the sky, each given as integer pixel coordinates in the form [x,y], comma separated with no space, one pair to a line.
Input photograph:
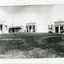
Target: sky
[43,15]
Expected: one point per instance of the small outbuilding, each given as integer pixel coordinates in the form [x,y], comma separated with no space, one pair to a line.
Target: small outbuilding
[13,29]
[3,28]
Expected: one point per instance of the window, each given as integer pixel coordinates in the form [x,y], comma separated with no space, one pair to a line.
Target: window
[56,30]
[0,27]
[61,27]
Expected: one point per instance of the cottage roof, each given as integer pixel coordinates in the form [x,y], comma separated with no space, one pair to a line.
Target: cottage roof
[59,23]
[16,26]
[29,24]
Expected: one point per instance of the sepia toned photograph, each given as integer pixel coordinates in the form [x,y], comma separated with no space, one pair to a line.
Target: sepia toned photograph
[32,31]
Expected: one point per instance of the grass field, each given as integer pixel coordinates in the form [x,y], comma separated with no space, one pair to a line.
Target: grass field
[31,45]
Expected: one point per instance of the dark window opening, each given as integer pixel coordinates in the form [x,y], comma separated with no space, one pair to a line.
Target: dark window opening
[33,28]
[27,28]
[0,27]
[61,27]
[56,30]
[30,28]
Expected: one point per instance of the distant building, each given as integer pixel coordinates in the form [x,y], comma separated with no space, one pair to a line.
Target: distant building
[31,27]
[50,28]
[13,29]
[58,27]
[3,28]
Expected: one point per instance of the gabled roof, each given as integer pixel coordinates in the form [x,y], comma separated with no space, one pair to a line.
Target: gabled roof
[32,23]
[59,23]
[16,26]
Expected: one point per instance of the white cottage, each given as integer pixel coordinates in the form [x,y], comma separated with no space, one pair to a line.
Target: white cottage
[31,27]
[58,27]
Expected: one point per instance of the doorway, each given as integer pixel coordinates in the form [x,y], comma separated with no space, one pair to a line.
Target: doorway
[56,30]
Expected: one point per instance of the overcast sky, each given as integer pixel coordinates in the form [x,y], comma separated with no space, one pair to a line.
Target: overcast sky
[41,14]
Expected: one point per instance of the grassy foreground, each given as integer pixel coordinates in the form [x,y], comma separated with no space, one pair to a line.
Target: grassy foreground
[31,45]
